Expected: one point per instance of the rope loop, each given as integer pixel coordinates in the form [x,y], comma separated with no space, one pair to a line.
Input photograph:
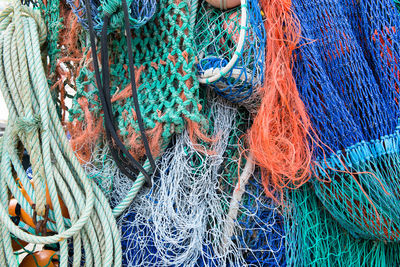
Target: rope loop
[7,17]
[58,197]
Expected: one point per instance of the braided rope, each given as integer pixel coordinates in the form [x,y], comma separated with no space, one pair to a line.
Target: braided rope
[137,185]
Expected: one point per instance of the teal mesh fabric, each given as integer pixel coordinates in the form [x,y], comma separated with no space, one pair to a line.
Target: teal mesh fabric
[168,90]
[315,238]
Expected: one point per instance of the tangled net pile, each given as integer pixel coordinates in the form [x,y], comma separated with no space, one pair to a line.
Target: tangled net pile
[183,220]
[175,133]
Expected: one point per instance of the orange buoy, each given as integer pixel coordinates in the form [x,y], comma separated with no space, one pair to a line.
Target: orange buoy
[224,4]
[18,244]
[14,209]
[41,258]
[64,210]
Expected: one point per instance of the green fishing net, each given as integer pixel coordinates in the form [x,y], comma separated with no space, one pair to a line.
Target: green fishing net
[314,238]
[365,202]
[168,90]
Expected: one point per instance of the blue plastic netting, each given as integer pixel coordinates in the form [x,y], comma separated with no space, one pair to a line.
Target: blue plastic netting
[347,73]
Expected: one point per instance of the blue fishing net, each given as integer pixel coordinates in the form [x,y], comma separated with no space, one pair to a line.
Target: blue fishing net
[263,237]
[347,72]
[217,36]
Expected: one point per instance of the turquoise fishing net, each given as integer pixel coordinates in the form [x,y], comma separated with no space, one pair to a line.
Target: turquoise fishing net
[168,90]
[315,238]
[140,11]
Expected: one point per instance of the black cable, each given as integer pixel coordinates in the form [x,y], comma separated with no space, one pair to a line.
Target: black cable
[128,167]
[105,97]
[133,87]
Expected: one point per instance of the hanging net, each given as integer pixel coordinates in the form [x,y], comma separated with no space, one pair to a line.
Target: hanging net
[166,83]
[231,50]
[348,76]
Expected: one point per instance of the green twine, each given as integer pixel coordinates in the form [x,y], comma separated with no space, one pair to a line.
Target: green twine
[314,238]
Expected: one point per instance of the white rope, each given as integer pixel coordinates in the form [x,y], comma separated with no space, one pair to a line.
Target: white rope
[33,121]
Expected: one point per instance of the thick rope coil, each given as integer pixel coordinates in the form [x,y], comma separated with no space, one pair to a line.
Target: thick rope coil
[34,123]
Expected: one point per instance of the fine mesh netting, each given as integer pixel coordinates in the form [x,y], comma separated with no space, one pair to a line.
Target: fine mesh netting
[140,11]
[182,219]
[315,238]
[166,83]
[231,49]
[347,75]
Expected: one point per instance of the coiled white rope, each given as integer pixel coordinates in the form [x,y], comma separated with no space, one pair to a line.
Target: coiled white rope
[33,122]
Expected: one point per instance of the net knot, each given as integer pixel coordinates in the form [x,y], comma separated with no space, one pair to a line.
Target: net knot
[27,125]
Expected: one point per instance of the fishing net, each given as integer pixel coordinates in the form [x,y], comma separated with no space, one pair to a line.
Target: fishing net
[348,77]
[166,84]
[231,50]
[315,238]
[140,12]
[397,3]
[183,219]
[279,137]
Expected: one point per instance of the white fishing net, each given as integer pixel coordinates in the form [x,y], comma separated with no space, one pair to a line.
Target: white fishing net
[181,220]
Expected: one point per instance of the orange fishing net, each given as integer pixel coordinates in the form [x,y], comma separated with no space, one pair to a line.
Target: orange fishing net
[279,137]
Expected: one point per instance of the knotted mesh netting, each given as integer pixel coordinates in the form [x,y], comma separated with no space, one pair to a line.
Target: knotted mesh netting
[231,50]
[140,11]
[315,238]
[348,76]
[183,219]
[164,60]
